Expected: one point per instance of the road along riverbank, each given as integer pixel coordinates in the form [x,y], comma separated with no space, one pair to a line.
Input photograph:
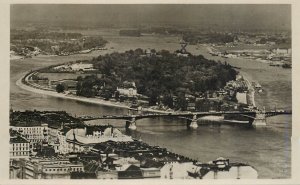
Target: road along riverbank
[27,84]
[45,91]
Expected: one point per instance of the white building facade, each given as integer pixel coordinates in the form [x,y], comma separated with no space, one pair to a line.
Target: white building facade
[18,147]
[33,134]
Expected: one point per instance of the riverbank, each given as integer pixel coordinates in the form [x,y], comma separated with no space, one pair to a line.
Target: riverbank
[250,94]
[98,101]
[41,89]
[216,52]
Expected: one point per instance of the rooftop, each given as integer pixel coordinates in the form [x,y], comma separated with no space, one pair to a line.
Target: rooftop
[17,139]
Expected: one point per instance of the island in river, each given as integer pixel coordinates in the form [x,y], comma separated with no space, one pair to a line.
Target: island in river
[159,80]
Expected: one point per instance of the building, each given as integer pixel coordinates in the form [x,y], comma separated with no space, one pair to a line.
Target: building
[129,172]
[40,168]
[34,134]
[148,52]
[191,106]
[75,67]
[175,170]
[241,97]
[14,170]
[126,160]
[222,169]
[235,172]
[127,89]
[150,172]
[69,85]
[63,145]
[182,54]
[18,146]
[83,139]
[270,42]
[53,134]
[282,51]
[31,125]
[108,174]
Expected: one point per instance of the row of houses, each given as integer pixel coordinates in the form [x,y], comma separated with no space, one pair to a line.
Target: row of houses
[75,67]
[77,140]
[276,54]
[44,168]
[66,151]
[70,140]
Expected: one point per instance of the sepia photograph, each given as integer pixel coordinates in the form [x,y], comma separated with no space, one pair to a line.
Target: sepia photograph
[150,91]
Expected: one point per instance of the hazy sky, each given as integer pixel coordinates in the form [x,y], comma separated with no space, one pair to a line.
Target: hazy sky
[237,16]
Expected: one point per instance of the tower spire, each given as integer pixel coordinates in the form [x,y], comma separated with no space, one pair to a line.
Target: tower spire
[74,138]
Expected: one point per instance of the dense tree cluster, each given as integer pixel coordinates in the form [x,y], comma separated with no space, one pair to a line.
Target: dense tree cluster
[194,38]
[53,42]
[161,75]
[38,34]
[35,118]
[93,42]
[162,30]
[90,86]
[60,88]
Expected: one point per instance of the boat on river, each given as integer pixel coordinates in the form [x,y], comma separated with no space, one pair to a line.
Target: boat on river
[222,169]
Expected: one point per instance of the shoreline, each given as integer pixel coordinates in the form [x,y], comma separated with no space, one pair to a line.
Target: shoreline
[251,93]
[97,101]
[211,48]
[40,90]
[246,77]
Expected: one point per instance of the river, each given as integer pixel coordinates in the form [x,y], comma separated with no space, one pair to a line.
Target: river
[267,149]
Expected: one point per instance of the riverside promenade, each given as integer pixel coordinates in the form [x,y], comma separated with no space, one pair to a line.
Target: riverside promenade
[24,83]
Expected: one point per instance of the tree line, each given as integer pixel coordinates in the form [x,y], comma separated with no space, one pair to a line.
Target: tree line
[160,76]
[54,42]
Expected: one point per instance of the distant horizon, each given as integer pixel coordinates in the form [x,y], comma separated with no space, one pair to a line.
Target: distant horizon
[215,16]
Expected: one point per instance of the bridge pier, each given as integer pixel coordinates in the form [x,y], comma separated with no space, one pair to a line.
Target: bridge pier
[131,124]
[193,122]
[260,120]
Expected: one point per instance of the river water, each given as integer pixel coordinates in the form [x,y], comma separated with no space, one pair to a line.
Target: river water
[267,149]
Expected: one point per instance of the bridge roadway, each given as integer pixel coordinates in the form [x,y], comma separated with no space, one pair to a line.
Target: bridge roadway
[189,114]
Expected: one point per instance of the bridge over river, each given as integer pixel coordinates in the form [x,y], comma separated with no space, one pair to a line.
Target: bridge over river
[256,118]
